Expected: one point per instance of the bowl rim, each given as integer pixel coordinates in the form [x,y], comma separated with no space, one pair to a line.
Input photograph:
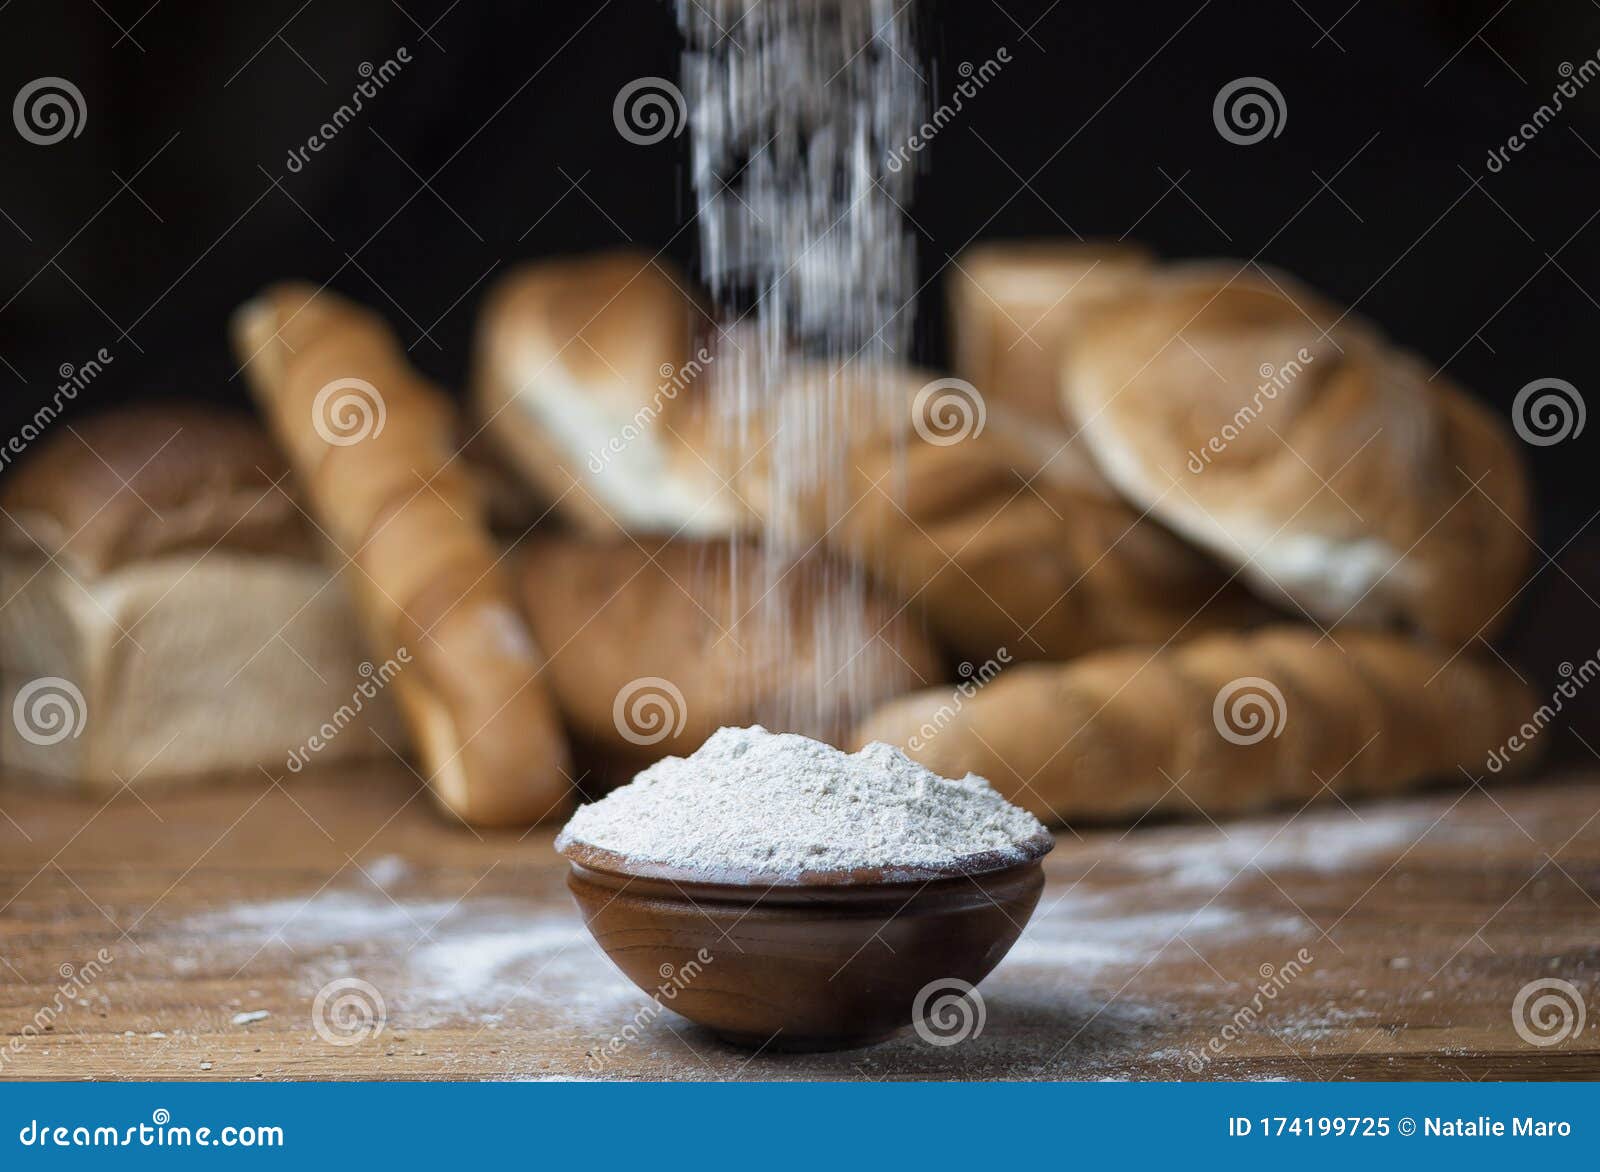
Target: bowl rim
[1026,853]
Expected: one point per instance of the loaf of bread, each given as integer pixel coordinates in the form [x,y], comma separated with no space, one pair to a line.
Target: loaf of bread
[166,618]
[588,375]
[1223,725]
[655,645]
[1300,448]
[1012,305]
[374,447]
[952,511]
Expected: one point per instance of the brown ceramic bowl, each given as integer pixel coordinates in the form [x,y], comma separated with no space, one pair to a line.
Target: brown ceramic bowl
[828,961]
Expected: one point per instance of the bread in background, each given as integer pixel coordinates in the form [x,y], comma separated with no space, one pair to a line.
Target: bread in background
[153,559]
[1013,304]
[374,446]
[1220,726]
[655,645]
[1292,442]
[588,376]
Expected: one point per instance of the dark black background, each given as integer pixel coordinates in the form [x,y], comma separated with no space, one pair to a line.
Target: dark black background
[497,143]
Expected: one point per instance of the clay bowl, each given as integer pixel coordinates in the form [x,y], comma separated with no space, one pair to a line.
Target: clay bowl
[828,961]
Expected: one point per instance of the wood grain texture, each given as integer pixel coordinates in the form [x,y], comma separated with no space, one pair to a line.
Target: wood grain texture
[1422,919]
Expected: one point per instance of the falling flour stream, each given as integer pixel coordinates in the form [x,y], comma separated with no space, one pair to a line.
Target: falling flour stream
[795,107]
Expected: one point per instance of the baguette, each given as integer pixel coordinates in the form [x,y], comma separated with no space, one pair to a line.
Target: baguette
[373,445]
[653,645]
[1226,724]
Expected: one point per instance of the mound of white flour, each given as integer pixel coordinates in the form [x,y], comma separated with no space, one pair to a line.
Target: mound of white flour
[777,804]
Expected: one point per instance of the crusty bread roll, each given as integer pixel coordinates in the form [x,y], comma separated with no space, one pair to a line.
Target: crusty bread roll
[587,374]
[374,446]
[654,645]
[166,618]
[1301,449]
[1224,724]
[1012,304]
[954,515]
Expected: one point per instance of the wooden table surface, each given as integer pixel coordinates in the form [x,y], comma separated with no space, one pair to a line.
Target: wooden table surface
[222,914]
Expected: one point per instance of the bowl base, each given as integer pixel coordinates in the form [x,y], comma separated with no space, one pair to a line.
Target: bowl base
[805,1045]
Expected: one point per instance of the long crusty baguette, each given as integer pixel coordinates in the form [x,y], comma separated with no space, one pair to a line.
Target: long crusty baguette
[373,445]
[655,645]
[1227,723]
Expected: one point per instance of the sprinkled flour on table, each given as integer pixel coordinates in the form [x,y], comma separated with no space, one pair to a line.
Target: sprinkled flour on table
[779,804]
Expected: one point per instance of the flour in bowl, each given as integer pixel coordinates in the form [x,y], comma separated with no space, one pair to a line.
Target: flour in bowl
[778,805]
